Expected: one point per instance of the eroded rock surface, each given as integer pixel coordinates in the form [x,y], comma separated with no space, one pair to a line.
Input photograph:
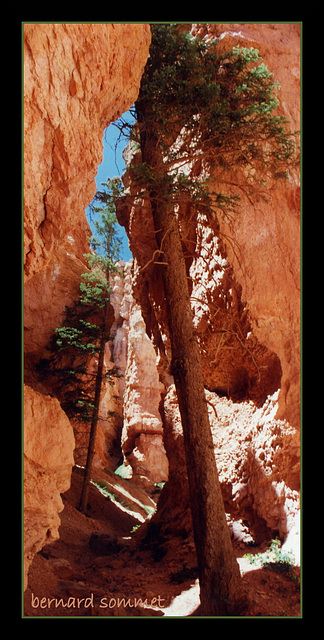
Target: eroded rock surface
[77,79]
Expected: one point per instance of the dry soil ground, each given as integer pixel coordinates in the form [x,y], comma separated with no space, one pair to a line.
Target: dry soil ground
[68,578]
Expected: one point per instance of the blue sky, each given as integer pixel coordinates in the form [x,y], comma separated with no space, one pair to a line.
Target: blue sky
[113,165]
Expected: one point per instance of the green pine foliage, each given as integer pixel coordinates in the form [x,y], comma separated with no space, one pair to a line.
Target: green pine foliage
[105,241]
[81,337]
[224,106]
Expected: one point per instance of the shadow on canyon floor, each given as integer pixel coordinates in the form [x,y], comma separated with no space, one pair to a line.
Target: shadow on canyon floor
[69,578]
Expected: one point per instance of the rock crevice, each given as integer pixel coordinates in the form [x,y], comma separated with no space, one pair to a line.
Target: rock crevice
[244,287]
[77,79]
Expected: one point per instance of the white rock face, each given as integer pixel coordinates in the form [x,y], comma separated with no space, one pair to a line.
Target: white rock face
[140,388]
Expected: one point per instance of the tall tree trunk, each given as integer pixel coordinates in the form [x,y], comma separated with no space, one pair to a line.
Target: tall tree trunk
[221,590]
[94,422]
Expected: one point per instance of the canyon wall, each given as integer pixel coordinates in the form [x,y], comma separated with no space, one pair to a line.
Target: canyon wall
[244,291]
[247,264]
[77,79]
[142,437]
[244,284]
[48,461]
[264,238]
[133,434]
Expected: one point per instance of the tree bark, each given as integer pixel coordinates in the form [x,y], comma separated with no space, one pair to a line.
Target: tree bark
[221,590]
[94,422]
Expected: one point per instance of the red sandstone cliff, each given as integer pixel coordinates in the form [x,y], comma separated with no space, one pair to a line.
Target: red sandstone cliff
[266,236]
[77,79]
[245,299]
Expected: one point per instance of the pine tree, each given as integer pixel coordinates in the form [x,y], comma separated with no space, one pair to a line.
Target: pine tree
[194,102]
[107,245]
[85,335]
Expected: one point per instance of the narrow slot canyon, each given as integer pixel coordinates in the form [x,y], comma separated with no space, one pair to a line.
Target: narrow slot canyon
[134,552]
